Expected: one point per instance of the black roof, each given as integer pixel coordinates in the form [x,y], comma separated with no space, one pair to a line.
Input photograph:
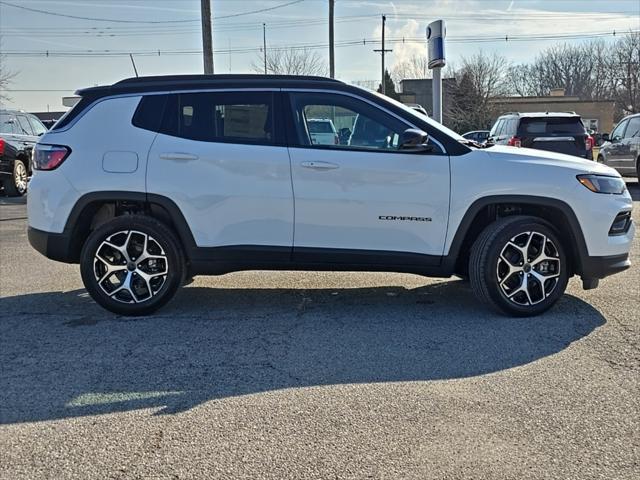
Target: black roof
[185,82]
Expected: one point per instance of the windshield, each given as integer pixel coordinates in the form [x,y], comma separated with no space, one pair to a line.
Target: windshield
[419,116]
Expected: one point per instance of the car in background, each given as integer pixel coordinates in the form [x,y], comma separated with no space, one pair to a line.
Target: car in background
[19,132]
[479,136]
[621,149]
[560,132]
[322,131]
[418,108]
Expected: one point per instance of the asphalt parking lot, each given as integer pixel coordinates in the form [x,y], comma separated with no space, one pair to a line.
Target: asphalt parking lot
[313,375]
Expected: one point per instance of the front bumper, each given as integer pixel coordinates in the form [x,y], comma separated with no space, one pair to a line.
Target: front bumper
[56,246]
[596,268]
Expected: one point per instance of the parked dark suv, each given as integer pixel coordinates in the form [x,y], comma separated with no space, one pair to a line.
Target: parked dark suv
[561,132]
[19,132]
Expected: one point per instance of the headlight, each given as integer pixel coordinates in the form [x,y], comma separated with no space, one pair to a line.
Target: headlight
[603,184]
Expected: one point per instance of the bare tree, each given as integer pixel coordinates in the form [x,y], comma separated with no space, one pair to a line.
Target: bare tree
[414,67]
[479,80]
[291,61]
[6,76]
[625,59]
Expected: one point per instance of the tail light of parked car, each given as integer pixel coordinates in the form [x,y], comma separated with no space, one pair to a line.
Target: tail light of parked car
[514,142]
[2,144]
[589,142]
[49,157]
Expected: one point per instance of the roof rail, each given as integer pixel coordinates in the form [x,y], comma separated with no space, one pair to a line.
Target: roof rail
[219,77]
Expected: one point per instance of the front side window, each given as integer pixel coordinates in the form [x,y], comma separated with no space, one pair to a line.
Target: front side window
[343,122]
[37,126]
[633,129]
[495,131]
[619,130]
[232,117]
[24,128]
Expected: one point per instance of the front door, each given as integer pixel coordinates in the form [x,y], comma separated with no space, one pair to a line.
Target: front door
[362,199]
[221,157]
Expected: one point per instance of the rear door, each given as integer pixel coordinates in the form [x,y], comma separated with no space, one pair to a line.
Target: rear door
[556,134]
[365,200]
[221,157]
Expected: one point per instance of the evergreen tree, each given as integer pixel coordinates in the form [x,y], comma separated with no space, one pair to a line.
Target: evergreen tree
[390,88]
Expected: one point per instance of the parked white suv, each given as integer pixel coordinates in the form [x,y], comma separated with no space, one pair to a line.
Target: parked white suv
[150,181]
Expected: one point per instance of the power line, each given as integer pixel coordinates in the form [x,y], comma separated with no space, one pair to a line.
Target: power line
[311,46]
[114,20]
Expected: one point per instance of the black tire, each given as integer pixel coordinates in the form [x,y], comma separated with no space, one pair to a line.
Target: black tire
[15,185]
[494,280]
[140,296]
[600,159]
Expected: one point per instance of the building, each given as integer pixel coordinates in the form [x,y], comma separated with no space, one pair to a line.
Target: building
[596,114]
[420,91]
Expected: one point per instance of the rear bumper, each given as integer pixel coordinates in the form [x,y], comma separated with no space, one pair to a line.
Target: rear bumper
[56,246]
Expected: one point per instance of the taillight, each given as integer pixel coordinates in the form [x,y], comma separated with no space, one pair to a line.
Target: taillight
[2,142]
[514,142]
[588,142]
[49,157]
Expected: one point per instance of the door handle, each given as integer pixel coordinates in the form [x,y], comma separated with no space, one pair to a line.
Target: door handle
[178,156]
[320,165]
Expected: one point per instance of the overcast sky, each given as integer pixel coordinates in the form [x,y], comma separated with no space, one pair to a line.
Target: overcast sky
[171,26]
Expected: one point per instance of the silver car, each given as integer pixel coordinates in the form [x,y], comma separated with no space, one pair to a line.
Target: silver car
[621,149]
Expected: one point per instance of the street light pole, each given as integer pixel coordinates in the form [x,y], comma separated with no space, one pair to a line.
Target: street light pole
[332,65]
[264,45]
[207,42]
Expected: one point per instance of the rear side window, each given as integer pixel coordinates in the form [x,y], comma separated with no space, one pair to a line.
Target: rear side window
[552,126]
[77,109]
[8,124]
[229,117]
[149,112]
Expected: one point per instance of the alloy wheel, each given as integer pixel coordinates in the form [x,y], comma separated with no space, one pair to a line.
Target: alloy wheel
[528,268]
[20,177]
[130,266]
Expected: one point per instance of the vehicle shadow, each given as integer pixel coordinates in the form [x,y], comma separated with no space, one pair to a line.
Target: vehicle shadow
[62,356]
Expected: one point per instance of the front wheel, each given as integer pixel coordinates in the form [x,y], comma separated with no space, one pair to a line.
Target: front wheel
[518,265]
[132,265]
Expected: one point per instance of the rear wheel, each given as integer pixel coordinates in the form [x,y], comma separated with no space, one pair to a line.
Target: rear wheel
[132,265]
[16,184]
[518,265]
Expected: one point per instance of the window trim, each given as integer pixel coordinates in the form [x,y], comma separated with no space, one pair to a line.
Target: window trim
[292,128]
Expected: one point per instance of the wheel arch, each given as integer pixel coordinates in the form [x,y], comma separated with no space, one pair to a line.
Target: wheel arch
[486,210]
[95,208]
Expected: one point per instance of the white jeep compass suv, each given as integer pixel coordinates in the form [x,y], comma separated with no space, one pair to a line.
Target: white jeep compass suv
[150,181]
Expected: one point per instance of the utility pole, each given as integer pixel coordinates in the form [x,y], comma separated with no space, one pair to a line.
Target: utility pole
[383,51]
[332,65]
[264,45]
[207,42]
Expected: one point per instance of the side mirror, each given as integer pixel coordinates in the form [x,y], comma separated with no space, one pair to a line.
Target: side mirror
[414,140]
